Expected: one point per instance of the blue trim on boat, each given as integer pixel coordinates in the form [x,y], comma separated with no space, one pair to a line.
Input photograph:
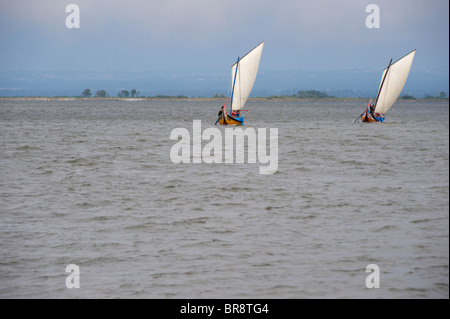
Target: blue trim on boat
[379,118]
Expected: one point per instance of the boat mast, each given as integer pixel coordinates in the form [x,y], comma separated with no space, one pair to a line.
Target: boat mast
[382,82]
[234,82]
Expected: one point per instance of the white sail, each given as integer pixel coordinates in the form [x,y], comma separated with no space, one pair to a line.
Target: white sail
[245,77]
[394,82]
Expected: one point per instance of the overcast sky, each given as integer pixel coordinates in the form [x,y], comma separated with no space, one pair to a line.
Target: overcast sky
[210,34]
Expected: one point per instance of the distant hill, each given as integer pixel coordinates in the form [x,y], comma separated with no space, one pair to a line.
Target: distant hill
[207,83]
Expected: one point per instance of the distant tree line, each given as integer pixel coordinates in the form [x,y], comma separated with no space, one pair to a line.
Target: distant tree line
[98,93]
[312,94]
[132,93]
[170,97]
[442,95]
[407,97]
[103,93]
[307,94]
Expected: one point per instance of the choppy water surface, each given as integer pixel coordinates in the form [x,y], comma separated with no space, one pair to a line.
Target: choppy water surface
[91,183]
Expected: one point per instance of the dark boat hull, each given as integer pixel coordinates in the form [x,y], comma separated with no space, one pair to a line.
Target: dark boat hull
[367,117]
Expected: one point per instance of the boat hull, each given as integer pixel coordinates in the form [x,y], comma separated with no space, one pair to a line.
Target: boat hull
[229,120]
[369,118]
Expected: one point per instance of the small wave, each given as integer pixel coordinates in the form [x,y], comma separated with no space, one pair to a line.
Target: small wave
[387,227]
[418,221]
[199,220]
[27,148]
[236,189]
[86,205]
[79,160]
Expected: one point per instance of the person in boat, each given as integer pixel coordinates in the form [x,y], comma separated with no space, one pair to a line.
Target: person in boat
[372,109]
[236,113]
[220,111]
[219,115]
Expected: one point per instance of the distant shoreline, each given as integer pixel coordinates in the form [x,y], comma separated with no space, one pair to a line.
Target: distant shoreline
[198,99]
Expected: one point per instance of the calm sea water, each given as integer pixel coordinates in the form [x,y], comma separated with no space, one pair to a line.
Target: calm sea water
[91,183]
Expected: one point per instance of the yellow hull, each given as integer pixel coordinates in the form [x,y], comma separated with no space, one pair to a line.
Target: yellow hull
[228,120]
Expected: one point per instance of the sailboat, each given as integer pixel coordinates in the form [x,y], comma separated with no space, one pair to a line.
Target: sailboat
[392,82]
[243,76]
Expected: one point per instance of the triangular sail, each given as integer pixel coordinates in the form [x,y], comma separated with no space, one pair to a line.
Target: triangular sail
[394,82]
[245,76]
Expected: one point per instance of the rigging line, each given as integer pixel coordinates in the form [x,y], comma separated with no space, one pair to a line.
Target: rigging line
[228,93]
[240,90]
[234,82]
[382,82]
[229,89]
[401,58]
[250,51]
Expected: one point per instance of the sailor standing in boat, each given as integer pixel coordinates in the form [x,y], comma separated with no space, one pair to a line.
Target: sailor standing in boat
[220,111]
[219,114]
[372,109]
